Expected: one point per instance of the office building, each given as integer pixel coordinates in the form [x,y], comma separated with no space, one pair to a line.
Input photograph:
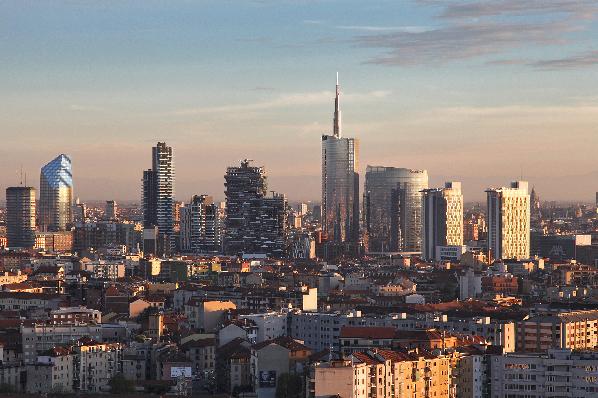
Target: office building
[442,219]
[255,223]
[340,183]
[201,226]
[20,217]
[111,210]
[508,217]
[56,195]
[393,208]
[158,191]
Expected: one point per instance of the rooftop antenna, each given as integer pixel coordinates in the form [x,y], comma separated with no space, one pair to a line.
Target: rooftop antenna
[21,180]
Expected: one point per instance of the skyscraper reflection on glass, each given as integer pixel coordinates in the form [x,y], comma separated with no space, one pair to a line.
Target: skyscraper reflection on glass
[56,194]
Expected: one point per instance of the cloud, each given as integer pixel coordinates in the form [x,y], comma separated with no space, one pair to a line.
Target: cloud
[461,41]
[492,8]
[285,101]
[374,28]
[481,28]
[586,59]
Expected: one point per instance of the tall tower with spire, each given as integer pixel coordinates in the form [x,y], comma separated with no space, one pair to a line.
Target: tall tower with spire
[340,182]
[337,111]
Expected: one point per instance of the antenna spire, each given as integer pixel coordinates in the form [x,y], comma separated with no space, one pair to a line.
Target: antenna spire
[337,110]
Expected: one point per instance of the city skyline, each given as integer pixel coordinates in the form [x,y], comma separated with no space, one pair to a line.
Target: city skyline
[481,115]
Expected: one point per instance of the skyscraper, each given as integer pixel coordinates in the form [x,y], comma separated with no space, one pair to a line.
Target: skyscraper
[201,226]
[255,223]
[508,218]
[442,219]
[111,210]
[392,208]
[340,182]
[158,191]
[20,217]
[56,194]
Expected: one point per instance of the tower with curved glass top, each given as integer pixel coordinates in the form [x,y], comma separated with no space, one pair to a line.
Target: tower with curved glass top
[56,194]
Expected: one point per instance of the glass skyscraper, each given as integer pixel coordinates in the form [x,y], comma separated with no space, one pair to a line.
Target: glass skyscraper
[20,217]
[340,182]
[392,202]
[56,194]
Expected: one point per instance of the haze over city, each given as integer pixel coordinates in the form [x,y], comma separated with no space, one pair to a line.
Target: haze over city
[483,92]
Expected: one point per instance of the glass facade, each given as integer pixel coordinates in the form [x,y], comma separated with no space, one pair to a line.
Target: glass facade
[392,203]
[56,194]
[340,188]
[20,217]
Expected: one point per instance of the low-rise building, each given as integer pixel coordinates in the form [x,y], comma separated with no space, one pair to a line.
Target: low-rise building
[52,372]
[41,337]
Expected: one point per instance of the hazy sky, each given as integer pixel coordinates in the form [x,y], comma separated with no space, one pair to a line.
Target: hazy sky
[478,91]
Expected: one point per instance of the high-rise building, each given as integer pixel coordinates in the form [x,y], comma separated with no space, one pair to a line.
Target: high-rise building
[149,200]
[442,219]
[80,213]
[255,223]
[158,191]
[201,226]
[111,210]
[20,217]
[56,195]
[393,208]
[508,218]
[340,182]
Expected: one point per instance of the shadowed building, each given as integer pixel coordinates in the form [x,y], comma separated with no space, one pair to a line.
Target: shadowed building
[20,216]
[255,223]
[393,208]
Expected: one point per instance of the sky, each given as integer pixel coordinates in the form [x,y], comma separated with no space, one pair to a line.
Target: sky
[478,91]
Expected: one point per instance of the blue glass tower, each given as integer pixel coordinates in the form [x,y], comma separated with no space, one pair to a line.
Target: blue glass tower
[56,194]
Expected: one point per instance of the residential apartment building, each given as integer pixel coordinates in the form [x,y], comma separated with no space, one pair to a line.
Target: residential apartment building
[442,220]
[555,373]
[39,338]
[52,372]
[95,364]
[270,325]
[508,217]
[576,330]
[384,374]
